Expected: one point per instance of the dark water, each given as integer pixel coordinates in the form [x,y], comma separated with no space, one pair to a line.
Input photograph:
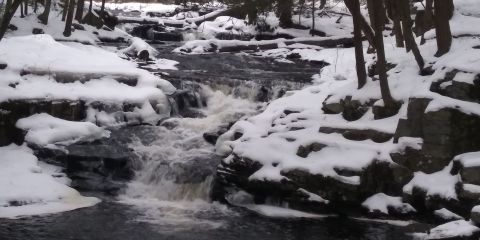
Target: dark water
[111,220]
[155,213]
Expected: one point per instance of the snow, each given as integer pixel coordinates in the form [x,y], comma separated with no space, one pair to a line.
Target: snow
[471,159]
[225,24]
[280,212]
[441,183]
[381,202]
[45,131]
[32,188]
[91,35]
[458,228]
[447,214]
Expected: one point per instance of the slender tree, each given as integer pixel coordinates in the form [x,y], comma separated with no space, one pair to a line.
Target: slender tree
[377,15]
[65,9]
[394,14]
[79,12]
[443,12]
[407,23]
[68,22]
[313,18]
[366,29]
[102,8]
[46,12]
[357,35]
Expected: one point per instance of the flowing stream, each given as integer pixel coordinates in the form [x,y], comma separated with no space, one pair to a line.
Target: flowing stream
[175,166]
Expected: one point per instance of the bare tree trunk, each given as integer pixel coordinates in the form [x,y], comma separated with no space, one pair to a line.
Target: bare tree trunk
[102,9]
[443,13]
[26,7]
[46,13]
[357,35]
[394,15]
[322,4]
[65,10]
[367,30]
[377,17]
[68,22]
[284,11]
[408,34]
[79,12]
[21,10]
[35,6]
[313,18]
[10,9]
[90,7]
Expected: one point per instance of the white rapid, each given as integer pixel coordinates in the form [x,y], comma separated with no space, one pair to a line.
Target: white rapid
[175,169]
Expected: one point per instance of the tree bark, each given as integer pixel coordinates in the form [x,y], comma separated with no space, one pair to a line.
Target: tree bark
[102,8]
[10,9]
[322,4]
[26,7]
[79,12]
[443,12]
[313,18]
[68,22]
[46,13]
[408,34]
[21,10]
[377,17]
[367,30]
[90,7]
[65,10]
[394,14]
[357,36]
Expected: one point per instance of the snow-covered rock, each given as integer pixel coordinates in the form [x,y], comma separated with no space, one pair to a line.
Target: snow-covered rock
[29,187]
[446,214]
[44,130]
[383,203]
[452,230]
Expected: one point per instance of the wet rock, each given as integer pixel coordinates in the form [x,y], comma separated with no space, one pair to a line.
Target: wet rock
[359,134]
[37,31]
[445,133]
[12,27]
[475,215]
[3,65]
[381,112]
[212,136]
[464,91]
[304,151]
[78,26]
[11,111]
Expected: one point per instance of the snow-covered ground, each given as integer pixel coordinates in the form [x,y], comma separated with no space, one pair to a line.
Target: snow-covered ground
[30,187]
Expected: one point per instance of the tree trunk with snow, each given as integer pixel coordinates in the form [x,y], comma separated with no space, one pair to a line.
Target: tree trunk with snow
[68,22]
[65,10]
[79,12]
[46,12]
[357,35]
[313,17]
[25,10]
[367,30]
[377,14]
[407,24]
[10,9]
[443,12]
[394,14]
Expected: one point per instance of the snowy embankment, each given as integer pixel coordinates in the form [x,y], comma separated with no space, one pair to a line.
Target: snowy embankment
[29,187]
[346,149]
[57,93]
[39,68]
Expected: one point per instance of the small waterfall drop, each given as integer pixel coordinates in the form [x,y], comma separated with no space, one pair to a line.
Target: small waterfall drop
[175,165]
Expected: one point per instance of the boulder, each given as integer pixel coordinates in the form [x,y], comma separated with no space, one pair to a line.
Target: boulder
[475,215]
[3,65]
[37,31]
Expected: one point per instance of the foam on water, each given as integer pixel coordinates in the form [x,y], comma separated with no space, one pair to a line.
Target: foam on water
[175,170]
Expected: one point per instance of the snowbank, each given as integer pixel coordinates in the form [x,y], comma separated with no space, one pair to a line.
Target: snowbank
[382,202]
[30,187]
[45,131]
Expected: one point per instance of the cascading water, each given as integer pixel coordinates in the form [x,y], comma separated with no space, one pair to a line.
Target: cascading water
[175,165]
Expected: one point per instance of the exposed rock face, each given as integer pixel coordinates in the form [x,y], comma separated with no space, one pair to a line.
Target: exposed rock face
[442,133]
[445,133]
